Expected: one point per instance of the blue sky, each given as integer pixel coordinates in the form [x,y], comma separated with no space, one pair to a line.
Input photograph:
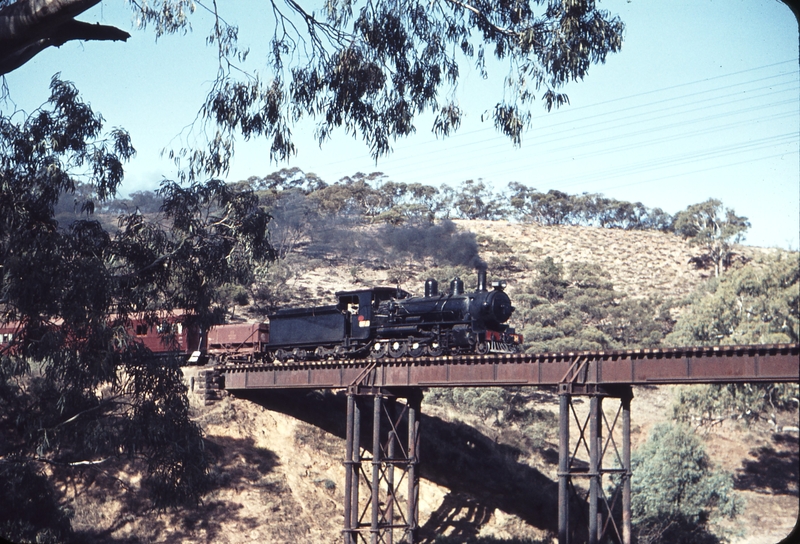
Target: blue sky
[703,101]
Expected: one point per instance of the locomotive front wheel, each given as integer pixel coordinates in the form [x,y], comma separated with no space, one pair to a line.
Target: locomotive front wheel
[435,349]
[482,348]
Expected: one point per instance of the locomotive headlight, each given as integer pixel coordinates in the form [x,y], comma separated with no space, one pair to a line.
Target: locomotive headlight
[499,284]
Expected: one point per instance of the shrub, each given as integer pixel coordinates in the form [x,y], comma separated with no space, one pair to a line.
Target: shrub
[677,496]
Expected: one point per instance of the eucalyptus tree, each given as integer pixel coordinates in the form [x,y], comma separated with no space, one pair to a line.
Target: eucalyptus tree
[758,303]
[77,394]
[714,228]
[368,67]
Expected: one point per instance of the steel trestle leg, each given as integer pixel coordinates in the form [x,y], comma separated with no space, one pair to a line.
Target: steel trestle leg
[594,466]
[376,468]
[563,468]
[356,476]
[602,451]
[381,512]
[348,471]
[626,460]
[413,460]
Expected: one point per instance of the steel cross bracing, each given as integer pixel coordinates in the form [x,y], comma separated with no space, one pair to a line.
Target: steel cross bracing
[604,521]
[381,483]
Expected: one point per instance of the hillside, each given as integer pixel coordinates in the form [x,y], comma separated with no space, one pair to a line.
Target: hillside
[640,263]
[278,473]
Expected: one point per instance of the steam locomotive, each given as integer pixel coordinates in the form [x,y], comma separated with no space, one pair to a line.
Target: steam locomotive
[384,321]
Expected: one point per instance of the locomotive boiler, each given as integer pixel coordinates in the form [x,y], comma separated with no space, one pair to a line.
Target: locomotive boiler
[385,321]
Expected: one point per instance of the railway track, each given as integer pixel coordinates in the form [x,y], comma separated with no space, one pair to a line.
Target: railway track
[747,363]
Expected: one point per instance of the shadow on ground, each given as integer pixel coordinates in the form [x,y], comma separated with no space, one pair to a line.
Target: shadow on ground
[773,470]
[236,464]
[481,474]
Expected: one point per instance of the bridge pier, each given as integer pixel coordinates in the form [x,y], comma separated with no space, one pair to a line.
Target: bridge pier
[384,509]
[606,458]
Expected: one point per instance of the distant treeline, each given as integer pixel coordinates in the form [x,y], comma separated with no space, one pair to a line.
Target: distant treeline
[296,199]
[378,199]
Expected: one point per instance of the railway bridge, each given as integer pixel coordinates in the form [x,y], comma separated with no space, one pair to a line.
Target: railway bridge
[382,481]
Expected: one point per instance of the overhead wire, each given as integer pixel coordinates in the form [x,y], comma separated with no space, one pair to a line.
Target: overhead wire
[572,135]
[542,131]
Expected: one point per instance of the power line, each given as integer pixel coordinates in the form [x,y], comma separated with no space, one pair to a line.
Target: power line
[502,141]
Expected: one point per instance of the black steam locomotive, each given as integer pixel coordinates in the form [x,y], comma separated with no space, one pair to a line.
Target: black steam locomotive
[385,321]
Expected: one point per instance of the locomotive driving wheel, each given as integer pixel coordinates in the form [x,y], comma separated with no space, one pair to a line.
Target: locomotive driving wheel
[280,355]
[415,349]
[397,348]
[435,349]
[299,354]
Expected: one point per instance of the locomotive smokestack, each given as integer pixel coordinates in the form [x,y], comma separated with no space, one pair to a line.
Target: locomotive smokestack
[431,288]
[482,280]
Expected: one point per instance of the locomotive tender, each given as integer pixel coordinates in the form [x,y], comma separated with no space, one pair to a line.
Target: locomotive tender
[385,321]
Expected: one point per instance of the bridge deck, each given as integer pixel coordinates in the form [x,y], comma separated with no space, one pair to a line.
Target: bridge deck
[718,364]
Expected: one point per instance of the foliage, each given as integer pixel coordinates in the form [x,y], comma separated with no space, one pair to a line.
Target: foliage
[676,493]
[558,208]
[369,215]
[274,285]
[30,511]
[704,404]
[141,201]
[476,201]
[371,68]
[756,304]
[578,309]
[75,390]
[713,228]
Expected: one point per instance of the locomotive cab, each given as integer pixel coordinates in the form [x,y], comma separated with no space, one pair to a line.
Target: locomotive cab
[361,307]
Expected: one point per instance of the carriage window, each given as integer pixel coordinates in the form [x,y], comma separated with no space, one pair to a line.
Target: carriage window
[177,328]
[141,329]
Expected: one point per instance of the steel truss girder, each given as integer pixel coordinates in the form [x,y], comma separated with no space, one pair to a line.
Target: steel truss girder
[606,457]
[381,481]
